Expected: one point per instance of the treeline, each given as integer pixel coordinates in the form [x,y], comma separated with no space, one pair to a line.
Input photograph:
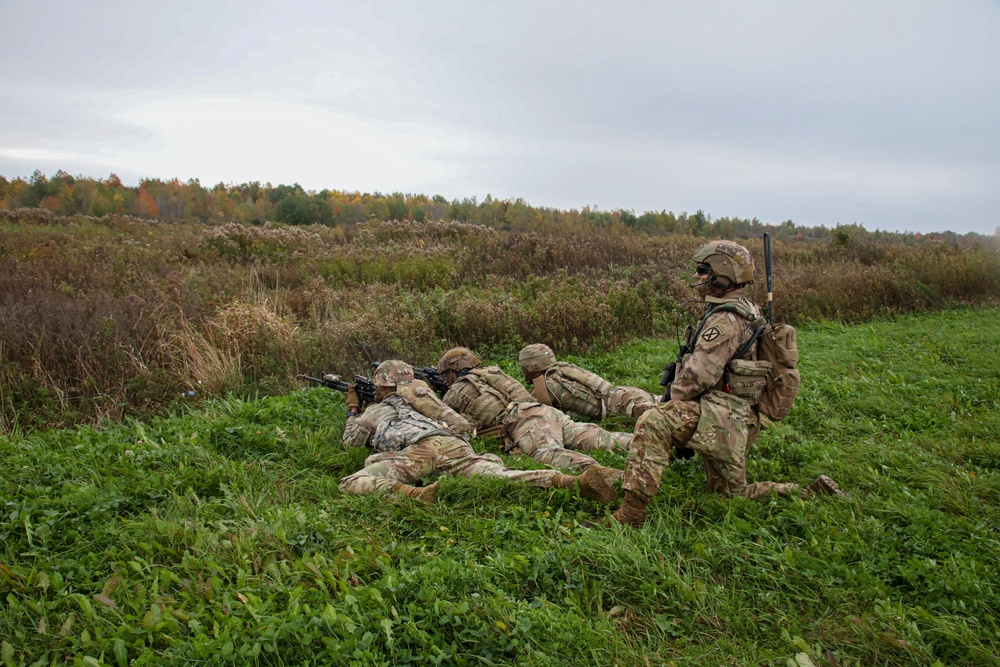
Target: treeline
[256,203]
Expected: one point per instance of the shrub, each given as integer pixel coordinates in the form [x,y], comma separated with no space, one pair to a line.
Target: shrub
[104,316]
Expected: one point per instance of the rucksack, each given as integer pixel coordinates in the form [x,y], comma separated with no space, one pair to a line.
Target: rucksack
[778,346]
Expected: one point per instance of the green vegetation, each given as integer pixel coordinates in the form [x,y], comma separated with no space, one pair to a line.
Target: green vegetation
[103,318]
[217,534]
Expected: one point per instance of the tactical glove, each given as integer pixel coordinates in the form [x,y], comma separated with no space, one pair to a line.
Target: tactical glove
[352,400]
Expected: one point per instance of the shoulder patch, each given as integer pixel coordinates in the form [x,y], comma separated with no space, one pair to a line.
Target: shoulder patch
[711,334]
[720,328]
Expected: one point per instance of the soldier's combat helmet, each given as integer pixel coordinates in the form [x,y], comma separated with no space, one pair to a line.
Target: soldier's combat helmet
[458,359]
[727,259]
[536,358]
[393,372]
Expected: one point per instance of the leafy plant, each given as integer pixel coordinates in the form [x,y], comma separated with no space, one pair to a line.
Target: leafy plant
[217,534]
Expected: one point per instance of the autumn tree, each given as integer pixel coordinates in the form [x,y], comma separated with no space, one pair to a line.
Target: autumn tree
[146,206]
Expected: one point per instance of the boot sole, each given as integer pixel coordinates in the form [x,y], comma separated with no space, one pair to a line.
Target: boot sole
[824,486]
[593,486]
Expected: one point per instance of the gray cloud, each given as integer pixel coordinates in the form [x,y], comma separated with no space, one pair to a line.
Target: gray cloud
[882,113]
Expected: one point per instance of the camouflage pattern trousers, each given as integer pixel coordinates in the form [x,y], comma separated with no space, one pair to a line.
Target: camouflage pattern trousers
[630,401]
[725,431]
[549,436]
[436,454]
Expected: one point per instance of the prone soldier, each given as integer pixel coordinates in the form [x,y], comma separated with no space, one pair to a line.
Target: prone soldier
[415,435]
[570,388]
[491,399]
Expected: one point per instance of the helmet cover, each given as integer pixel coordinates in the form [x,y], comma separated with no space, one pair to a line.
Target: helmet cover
[393,372]
[727,259]
[536,358]
[458,359]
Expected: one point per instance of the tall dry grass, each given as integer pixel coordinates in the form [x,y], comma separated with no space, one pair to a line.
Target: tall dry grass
[103,317]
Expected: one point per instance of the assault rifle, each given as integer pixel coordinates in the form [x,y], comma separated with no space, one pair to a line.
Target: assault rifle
[364,387]
[670,374]
[430,375]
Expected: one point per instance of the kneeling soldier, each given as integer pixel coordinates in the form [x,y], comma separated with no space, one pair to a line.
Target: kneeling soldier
[712,406]
[415,435]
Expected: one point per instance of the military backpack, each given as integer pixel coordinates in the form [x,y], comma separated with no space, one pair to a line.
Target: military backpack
[772,381]
[779,347]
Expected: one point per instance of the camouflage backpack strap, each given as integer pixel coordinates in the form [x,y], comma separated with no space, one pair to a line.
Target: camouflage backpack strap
[742,307]
[505,384]
[540,391]
[746,310]
[745,375]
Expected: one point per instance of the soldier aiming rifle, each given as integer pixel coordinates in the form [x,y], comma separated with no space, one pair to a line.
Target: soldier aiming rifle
[427,374]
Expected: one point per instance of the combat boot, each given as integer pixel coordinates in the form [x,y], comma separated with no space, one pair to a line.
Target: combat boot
[611,475]
[426,494]
[822,486]
[632,512]
[594,485]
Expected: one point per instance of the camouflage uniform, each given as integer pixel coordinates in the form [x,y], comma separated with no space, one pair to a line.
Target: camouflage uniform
[570,388]
[409,445]
[713,396]
[490,398]
[703,413]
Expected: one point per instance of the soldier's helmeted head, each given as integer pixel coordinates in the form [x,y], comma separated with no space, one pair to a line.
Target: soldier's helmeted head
[536,358]
[392,373]
[722,266]
[458,359]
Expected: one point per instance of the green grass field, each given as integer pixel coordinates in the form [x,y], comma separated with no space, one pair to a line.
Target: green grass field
[217,535]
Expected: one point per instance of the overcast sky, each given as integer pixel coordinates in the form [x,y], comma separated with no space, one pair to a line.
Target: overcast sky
[884,113]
